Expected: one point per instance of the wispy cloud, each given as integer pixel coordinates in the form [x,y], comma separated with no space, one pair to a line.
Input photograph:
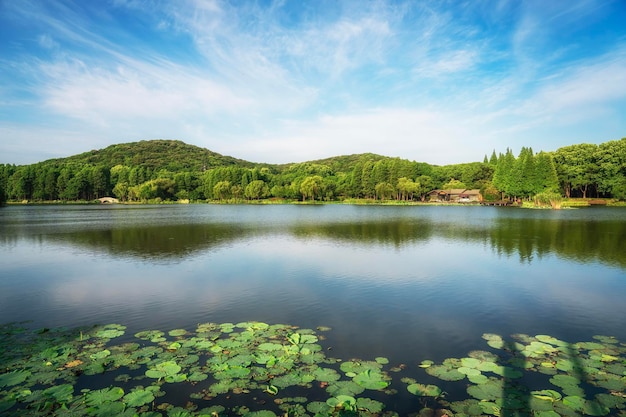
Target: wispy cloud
[279,81]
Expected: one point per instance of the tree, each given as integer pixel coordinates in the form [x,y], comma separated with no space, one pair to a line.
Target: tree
[611,161]
[503,174]
[545,174]
[406,188]
[257,189]
[454,184]
[425,185]
[384,190]
[222,190]
[576,167]
[310,187]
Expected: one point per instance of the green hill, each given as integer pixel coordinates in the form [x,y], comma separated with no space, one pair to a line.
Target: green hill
[173,155]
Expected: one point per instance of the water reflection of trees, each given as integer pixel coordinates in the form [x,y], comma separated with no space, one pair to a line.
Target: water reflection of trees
[154,242]
[528,238]
[397,232]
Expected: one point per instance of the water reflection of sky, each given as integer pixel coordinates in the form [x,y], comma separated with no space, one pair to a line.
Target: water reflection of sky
[437,295]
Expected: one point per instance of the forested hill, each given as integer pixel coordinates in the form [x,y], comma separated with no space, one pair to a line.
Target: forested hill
[158,154]
[168,170]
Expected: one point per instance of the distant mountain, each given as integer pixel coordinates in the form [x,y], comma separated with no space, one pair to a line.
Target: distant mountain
[173,155]
[177,156]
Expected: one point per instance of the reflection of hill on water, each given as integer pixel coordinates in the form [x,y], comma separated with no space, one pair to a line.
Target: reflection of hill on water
[583,241]
[156,242]
[397,232]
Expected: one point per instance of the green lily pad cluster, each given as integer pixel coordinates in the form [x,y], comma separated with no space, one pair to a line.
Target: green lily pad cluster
[254,369]
[568,379]
[244,369]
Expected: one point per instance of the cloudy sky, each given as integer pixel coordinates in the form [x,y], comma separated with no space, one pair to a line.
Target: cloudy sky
[294,80]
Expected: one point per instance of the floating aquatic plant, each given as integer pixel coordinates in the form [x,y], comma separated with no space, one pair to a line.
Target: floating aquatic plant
[223,366]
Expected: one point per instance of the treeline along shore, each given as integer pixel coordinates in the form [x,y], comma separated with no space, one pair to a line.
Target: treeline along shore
[154,171]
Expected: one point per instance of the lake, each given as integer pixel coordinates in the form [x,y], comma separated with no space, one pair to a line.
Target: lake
[407,283]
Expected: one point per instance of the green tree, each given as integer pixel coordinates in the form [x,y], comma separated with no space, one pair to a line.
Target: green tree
[384,190]
[503,174]
[311,187]
[545,174]
[257,189]
[425,185]
[611,161]
[222,190]
[406,188]
[576,167]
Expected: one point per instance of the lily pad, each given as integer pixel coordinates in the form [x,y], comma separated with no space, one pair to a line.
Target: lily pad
[424,390]
[163,369]
[371,380]
[13,378]
[138,398]
[104,395]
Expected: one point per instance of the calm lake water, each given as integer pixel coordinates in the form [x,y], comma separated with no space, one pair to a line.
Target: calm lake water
[408,283]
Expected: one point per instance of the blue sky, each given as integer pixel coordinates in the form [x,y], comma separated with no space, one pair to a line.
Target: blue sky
[289,81]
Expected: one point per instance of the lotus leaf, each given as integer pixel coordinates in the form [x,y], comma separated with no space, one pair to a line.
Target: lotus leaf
[138,398]
[489,391]
[318,408]
[564,381]
[426,364]
[488,367]
[617,368]
[163,369]
[547,394]
[344,388]
[445,373]
[13,378]
[104,395]
[342,401]
[7,403]
[612,382]
[381,360]
[110,331]
[151,335]
[490,408]
[508,372]
[232,372]
[268,346]
[424,390]
[263,413]
[589,346]
[272,389]
[478,379]
[177,332]
[551,340]
[484,356]
[212,411]
[549,413]
[61,393]
[468,407]
[606,339]
[326,375]
[574,402]
[227,327]
[371,380]
[100,355]
[197,377]
[110,409]
[611,401]
[565,365]
[594,408]
[470,362]
[358,366]
[468,371]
